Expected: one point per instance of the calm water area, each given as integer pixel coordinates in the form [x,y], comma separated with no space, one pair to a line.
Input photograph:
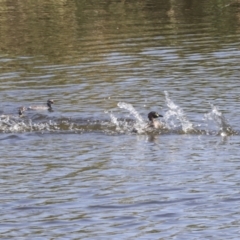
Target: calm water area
[90,169]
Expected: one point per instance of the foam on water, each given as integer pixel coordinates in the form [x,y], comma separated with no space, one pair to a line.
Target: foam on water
[10,124]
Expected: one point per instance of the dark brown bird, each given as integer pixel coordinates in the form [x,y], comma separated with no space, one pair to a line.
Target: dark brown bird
[21,110]
[153,121]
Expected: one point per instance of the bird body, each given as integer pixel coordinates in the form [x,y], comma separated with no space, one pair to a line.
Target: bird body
[41,107]
[153,121]
[21,110]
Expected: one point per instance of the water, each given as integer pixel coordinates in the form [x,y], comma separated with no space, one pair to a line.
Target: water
[91,169]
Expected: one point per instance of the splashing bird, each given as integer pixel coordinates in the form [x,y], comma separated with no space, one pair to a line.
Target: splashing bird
[153,121]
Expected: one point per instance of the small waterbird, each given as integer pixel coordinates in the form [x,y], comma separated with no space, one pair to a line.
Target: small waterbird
[41,107]
[21,110]
[153,122]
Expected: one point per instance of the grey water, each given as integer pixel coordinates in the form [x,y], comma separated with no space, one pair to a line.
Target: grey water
[90,169]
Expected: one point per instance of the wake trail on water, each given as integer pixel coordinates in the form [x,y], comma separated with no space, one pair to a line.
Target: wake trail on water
[174,121]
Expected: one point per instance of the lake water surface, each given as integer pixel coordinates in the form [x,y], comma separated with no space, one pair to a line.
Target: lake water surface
[90,169]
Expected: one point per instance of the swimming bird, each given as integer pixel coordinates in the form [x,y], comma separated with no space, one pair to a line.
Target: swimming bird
[153,122]
[21,110]
[40,107]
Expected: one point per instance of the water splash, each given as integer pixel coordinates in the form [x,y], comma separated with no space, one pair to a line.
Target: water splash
[14,124]
[177,112]
[175,120]
[139,126]
[218,118]
[114,120]
[132,110]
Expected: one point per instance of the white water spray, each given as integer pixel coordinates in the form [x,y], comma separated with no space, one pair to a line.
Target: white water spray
[132,110]
[176,111]
[218,118]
